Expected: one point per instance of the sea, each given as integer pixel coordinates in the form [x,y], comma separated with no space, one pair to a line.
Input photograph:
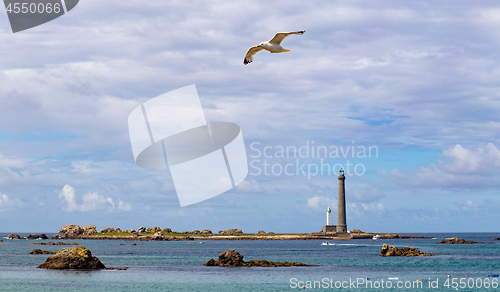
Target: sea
[346,265]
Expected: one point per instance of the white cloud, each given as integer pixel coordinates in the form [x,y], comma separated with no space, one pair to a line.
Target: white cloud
[364,192]
[366,209]
[85,167]
[467,205]
[462,168]
[249,186]
[367,62]
[12,162]
[313,202]
[465,161]
[91,201]
[376,207]
[6,203]
[318,202]
[68,195]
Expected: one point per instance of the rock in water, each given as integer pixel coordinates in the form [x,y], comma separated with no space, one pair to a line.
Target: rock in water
[74,258]
[38,236]
[406,251]
[456,240]
[15,236]
[232,258]
[39,251]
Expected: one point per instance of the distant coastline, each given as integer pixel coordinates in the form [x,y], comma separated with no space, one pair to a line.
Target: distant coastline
[166,234]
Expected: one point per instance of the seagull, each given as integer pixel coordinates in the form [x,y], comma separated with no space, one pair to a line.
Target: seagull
[272,46]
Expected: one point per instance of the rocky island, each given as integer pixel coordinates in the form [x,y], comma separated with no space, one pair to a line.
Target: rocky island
[232,258]
[73,258]
[166,234]
[406,251]
[15,236]
[456,240]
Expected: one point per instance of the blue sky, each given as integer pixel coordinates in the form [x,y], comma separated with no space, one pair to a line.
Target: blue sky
[418,81]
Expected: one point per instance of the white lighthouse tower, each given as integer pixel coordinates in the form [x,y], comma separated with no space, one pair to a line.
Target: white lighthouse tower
[329,216]
[329,227]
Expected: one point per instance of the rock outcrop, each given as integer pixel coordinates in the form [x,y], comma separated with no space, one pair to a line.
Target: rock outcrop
[230,231]
[158,236]
[357,231]
[39,251]
[38,236]
[232,258]
[192,232]
[108,230]
[456,240]
[261,232]
[406,251]
[153,229]
[88,230]
[166,230]
[15,236]
[74,231]
[74,258]
[141,230]
[204,231]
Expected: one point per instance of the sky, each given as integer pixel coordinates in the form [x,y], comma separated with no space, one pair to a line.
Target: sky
[416,82]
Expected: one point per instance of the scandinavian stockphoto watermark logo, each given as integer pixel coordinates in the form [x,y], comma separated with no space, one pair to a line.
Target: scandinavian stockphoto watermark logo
[205,159]
[26,14]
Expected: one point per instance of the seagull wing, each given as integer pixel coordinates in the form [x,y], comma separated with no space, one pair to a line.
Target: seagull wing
[280,36]
[252,51]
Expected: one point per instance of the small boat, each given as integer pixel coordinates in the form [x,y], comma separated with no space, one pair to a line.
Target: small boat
[327,243]
[376,237]
[201,242]
[395,278]
[493,276]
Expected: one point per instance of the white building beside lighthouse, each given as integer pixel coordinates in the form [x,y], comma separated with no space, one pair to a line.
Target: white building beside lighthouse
[329,227]
[329,216]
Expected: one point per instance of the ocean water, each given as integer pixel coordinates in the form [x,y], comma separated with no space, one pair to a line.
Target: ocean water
[178,266]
